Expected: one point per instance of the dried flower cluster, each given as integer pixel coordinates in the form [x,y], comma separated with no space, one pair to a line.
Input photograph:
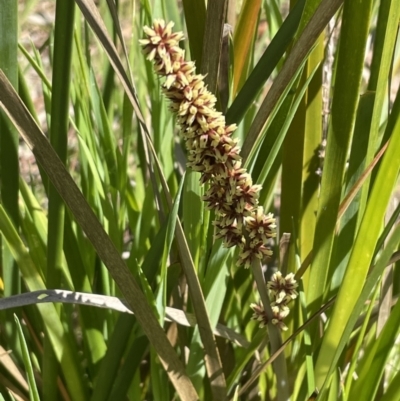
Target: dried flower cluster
[282,292]
[211,149]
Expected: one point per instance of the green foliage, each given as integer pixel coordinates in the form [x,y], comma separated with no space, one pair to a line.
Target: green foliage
[111,213]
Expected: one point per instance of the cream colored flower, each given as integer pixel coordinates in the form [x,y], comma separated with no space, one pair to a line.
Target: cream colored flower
[211,149]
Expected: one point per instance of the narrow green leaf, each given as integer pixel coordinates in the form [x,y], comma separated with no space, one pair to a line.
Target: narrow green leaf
[360,343]
[212,358]
[107,137]
[242,40]
[110,364]
[214,287]
[274,151]
[258,338]
[212,42]
[9,167]
[274,16]
[356,175]
[33,391]
[293,64]
[161,295]
[96,234]
[393,391]
[159,380]
[313,139]
[362,253]
[381,70]
[130,367]
[110,303]
[195,17]
[309,10]
[264,68]
[376,357]
[356,17]
[382,62]
[58,133]
[63,36]
[53,326]
[10,281]
[193,215]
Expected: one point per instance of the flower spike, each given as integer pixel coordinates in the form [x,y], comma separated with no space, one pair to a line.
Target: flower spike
[211,149]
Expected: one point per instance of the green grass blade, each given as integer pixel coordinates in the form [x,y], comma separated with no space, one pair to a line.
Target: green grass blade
[161,294]
[256,341]
[294,136]
[212,42]
[91,13]
[33,391]
[381,69]
[214,288]
[362,253]
[299,180]
[53,327]
[276,147]
[36,236]
[159,380]
[193,214]
[110,364]
[107,138]
[274,16]
[291,67]
[242,40]
[130,367]
[349,222]
[344,105]
[384,47]
[265,66]
[354,363]
[64,25]
[212,358]
[371,281]
[23,91]
[9,164]
[187,330]
[266,168]
[309,10]
[96,234]
[313,129]
[393,391]
[195,17]
[8,136]
[206,321]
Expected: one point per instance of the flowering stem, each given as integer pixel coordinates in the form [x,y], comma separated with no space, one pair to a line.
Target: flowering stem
[274,334]
[214,153]
[211,148]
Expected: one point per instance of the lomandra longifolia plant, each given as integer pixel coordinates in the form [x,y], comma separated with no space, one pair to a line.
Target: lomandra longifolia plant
[160,310]
[212,152]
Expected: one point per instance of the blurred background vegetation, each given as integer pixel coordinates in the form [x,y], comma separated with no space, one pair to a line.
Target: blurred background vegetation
[314,88]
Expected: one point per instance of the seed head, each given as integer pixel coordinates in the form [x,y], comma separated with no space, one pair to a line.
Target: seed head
[211,150]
